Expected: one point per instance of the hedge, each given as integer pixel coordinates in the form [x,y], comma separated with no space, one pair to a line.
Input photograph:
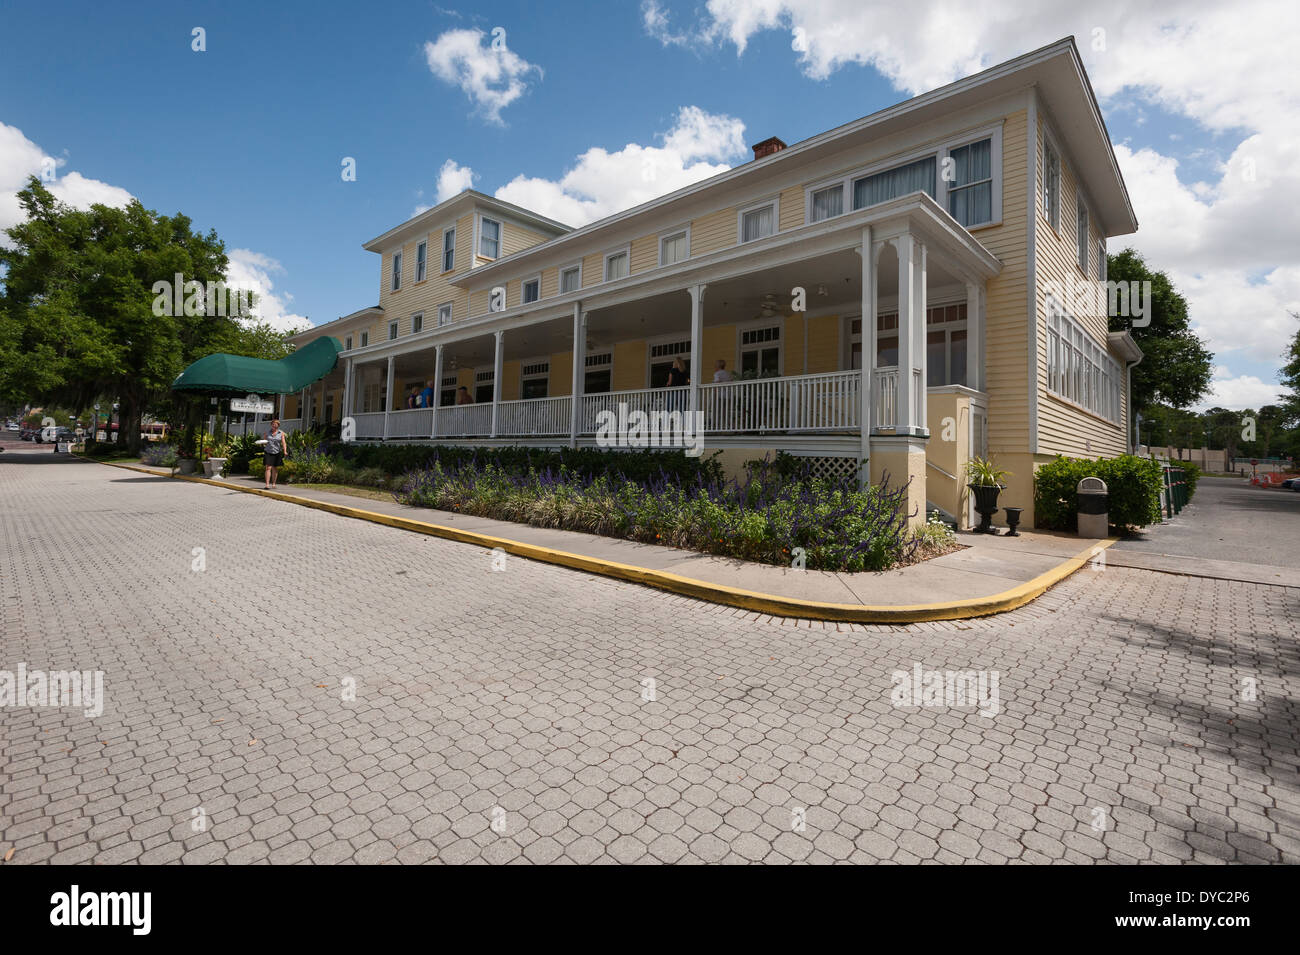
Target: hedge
[1133,484]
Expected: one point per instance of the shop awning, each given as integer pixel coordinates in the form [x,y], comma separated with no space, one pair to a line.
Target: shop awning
[222,374]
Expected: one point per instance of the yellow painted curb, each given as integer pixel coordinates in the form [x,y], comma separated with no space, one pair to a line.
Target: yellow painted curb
[688,586]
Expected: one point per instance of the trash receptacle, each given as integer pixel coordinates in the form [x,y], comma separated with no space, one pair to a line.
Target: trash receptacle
[1094,507]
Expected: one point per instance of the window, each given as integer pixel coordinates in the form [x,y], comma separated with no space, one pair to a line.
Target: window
[661,359]
[674,248]
[571,279]
[365,339]
[900,181]
[489,238]
[449,250]
[757,223]
[397,271]
[417,323]
[1079,369]
[444,314]
[447,390]
[616,266]
[597,373]
[970,188]
[534,378]
[347,343]
[826,203]
[945,342]
[1051,185]
[392,330]
[760,352]
[1102,265]
[1081,235]
[532,290]
[483,386]
[421,260]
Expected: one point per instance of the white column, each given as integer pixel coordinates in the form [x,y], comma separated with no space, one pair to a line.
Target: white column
[437,389]
[579,372]
[281,414]
[496,377]
[906,338]
[302,409]
[866,402]
[974,336]
[697,344]
[347,389]
[388,400]
[922,333]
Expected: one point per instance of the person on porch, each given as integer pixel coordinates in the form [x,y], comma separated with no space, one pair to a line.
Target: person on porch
[412,400]
[720,372]
[463,396]
[426,396]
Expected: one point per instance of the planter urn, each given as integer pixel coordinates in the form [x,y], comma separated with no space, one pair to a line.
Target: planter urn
[986,505]
[187,465]
[213,467]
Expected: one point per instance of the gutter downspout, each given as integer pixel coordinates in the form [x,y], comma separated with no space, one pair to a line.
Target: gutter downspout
[1128,401]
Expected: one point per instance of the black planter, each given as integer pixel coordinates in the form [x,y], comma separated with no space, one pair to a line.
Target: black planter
[1013,520]
[986,505]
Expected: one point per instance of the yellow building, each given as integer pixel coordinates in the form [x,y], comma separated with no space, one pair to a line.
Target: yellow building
[946,238]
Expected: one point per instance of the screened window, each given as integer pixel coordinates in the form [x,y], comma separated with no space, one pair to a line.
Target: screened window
[449,250]
[970,191]
[570,279]
[882,186]
[827,203]
[489,238]
[532,290]
[673,248]
[421,260]
[756,224]
[397,271]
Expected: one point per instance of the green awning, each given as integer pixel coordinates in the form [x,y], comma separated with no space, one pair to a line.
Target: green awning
[222,374]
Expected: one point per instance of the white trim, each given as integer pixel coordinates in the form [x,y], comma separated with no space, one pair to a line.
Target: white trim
[671,234]
[1050,142]
[451,310]
[442,251]
[559,278]
[414,316]
[993,133]
[772,202]
[758,324]
[394,330]
[626,252]
[523,282]
[845,198]
[1033,198]
[1081,203]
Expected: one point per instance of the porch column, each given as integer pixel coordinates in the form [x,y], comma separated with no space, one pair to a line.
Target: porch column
[922,339]
[347,390]
[281,406]
[579,369]
[975,336]
[303,416]
[866,400]
[437,389]
[697,336]
[906,413]
[388,399]
[496,377]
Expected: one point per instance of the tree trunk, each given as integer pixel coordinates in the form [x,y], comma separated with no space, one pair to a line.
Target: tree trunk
[128,428]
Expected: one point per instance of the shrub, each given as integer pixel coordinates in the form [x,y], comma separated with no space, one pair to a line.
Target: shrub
[763,518]
[1191,474]
[311,467]
[159,455]
[1133,484]
[240,451]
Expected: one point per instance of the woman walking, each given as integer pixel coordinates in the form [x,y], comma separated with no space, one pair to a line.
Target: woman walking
[273,457]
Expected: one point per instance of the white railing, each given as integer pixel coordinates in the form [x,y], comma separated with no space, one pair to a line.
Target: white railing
[369,424]
[827,402]
[645,399]
[290,425]
[465,421]
[410,423]
[545,416]
[886,393]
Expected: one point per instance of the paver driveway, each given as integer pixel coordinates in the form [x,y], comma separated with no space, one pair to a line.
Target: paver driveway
[516,698]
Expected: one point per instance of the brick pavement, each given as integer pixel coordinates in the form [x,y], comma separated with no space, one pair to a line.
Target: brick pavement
[499,716]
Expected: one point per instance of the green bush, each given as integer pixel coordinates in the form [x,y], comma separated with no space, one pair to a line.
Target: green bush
[1133,484]
[240,451]
[1191,474]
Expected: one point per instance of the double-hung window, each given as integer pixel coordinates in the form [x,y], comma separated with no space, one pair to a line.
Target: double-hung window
[449,250]
[489,238]
[532,290]
[674,248]
[444,314]
[571,279]
[392,330]
[970,183]
[826,203]
[616,266]
[417,323]
[421,260]
[1081,234]
[397,271]
[1051,185]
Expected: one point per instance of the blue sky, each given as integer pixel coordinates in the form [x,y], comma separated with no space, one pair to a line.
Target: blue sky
[248,136]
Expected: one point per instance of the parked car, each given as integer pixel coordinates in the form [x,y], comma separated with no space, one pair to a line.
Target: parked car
[13,426]
[1291,483]
[51,435]
[27,434]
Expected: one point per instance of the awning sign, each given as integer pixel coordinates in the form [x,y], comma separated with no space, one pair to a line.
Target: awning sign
[252,405]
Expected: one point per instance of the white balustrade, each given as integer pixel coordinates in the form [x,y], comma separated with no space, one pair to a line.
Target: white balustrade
[410,423]
[370,425]
[465,421]
[542,416]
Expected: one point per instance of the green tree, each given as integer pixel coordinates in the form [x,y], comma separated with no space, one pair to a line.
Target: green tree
[1175,367]
[1291,380]
[78,322]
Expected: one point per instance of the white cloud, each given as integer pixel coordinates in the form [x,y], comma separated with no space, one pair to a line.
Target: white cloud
[21,158]
[1226,243]
[487,71]
[601,183]
[1238,391]
[453,179]
[252,271]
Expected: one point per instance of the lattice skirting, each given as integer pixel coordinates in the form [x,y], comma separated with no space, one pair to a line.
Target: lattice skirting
[837,467]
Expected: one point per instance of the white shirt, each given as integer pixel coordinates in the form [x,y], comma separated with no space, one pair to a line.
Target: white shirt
[722,375]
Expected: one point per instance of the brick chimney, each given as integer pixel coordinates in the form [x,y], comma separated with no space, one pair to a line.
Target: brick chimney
[767,147]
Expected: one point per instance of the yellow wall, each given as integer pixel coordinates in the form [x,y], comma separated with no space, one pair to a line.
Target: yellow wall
[713,232]
[629,365]
[948,418]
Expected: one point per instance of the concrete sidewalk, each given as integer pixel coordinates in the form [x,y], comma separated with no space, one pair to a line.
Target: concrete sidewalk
[990,575]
